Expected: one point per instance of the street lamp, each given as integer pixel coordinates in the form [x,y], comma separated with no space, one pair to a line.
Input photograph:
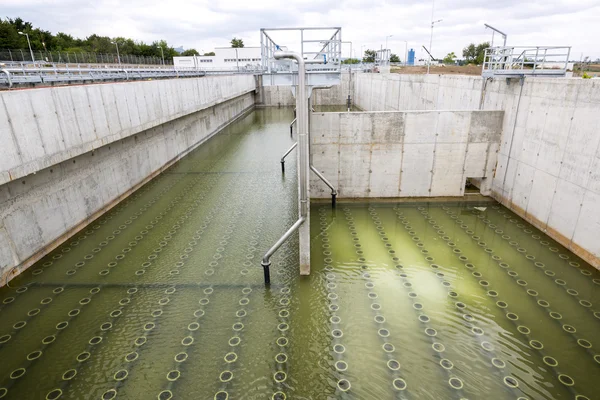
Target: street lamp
[162,54]
[405,53]
[29,43]
[117,46]
[431,41]
[496,30]
[386,48]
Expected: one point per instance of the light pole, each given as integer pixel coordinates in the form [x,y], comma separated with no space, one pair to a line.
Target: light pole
[117,46]
[386,48]
[405,53]
[431,41]
[29,43]
[496,30]
[162,54]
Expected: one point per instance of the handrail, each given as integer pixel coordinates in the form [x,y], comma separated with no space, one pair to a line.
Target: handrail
[292,125]
[285,155]
[266,261]
[7,72]
[521,60]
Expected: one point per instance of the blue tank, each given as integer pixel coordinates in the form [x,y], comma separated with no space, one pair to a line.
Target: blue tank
[411,57]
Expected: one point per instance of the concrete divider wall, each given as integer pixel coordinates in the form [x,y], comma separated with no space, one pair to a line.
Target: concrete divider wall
[38,212]
[549,161]
[45,126]
[550,130]
[403,154]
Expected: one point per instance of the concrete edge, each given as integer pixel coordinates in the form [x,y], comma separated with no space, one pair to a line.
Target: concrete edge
[579,251]
[23,266]
[475,198]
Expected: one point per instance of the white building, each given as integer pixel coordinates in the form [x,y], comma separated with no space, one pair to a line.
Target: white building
[225,58]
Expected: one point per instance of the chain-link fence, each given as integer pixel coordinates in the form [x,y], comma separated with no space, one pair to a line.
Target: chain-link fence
[63,57]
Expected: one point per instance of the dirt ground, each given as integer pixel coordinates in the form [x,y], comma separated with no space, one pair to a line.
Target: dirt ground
[442,70]
[591,69]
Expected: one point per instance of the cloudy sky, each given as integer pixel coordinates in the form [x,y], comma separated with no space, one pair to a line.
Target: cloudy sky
[205,24]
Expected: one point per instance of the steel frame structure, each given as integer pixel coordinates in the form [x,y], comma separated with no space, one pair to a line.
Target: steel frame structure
[323,67]
[507,61]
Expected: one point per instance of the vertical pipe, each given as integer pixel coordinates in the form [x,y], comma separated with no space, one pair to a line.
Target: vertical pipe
[303,158]
[302,43]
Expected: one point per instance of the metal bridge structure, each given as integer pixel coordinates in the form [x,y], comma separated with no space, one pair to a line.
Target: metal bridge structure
[520,61]
[320,48]
[28,75]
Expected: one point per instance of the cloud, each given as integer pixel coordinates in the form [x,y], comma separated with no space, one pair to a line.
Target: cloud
[205,24]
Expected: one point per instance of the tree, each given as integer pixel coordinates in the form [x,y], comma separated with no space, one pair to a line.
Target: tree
[42,40]
[351,61]
[235,42]
[394,58]
[190,52]
[369,56]
[449,59]
[475,53]
[211,53]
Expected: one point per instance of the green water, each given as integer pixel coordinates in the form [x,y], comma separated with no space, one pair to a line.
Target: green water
[163,296]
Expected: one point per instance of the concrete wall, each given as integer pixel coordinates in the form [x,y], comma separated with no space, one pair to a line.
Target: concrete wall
[549,161]
[40,211]
[46,126]
[403,154]
[398,92]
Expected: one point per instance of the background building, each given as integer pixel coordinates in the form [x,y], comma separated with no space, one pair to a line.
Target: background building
[224,58]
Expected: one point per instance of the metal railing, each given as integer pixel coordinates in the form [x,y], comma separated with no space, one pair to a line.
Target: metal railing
[69,57]
[30,74]
[326,59]
[520,61]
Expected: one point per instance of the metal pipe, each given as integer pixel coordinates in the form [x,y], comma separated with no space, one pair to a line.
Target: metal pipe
[302,126]
[303,156]
[292,124]
[266,261]
[333,191]
[8,77]
[285,155]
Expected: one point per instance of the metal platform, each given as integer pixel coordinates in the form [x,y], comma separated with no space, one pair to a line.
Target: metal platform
[321,48]
[32,75]
[515,61]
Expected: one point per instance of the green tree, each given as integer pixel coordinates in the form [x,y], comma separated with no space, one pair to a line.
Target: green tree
[449,59]
[475,53]
[210,53]
[10,39]
[351,61]
[369,56]
[190,52]
[235,42]
[394,58]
